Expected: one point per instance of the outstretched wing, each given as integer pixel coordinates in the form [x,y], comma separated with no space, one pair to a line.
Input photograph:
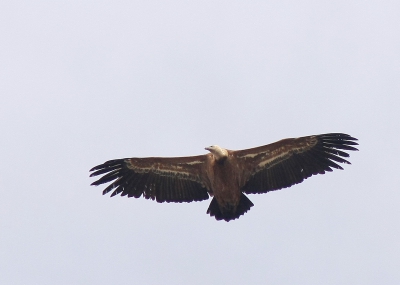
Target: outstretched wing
[290,161]
[175,179]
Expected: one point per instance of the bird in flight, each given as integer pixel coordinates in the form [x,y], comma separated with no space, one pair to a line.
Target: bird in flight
[226,175]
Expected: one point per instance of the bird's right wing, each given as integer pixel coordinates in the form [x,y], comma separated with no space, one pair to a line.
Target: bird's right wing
[290,161]
[165,179]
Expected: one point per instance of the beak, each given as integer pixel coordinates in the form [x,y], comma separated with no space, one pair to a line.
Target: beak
[207,148]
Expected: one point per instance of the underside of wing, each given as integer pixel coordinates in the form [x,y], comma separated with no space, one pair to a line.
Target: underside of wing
[177,179]
[290,161]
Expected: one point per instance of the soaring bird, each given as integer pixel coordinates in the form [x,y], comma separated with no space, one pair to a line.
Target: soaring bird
[226,175]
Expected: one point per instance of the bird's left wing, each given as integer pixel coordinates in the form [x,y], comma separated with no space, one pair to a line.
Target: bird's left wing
[290,161]
[165,179]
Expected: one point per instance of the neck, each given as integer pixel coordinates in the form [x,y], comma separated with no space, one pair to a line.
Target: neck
[220,154]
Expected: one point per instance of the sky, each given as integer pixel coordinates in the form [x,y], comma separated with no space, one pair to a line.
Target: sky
[82,82]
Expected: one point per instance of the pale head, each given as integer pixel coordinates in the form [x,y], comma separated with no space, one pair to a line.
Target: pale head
[217,151]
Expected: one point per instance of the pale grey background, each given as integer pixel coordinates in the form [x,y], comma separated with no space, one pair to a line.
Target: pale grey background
[82,82]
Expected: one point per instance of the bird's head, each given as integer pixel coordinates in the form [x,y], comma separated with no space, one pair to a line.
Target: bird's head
[218,152]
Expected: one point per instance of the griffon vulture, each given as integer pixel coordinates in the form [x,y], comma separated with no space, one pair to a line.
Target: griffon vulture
[225,175]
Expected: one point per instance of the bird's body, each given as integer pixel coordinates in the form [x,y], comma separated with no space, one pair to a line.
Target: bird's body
[225,174]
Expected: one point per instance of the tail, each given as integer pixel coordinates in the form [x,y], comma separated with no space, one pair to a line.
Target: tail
[229,213]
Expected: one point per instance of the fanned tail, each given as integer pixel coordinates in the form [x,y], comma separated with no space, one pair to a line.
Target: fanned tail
[230,213]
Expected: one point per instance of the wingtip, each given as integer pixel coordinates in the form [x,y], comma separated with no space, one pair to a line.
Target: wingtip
[93,168]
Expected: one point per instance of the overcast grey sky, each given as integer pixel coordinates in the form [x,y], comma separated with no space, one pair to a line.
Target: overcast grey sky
[82,82]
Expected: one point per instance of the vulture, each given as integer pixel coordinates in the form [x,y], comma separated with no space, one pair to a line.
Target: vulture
[225,175]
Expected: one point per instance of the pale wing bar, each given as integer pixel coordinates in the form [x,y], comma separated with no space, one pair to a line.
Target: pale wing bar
[294,166]
[151,182]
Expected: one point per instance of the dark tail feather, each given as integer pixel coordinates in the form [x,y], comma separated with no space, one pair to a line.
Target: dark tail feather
[244,205]
[229,213]
[214,210]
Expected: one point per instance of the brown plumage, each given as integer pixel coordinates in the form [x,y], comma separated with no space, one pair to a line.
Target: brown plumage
[225,174]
